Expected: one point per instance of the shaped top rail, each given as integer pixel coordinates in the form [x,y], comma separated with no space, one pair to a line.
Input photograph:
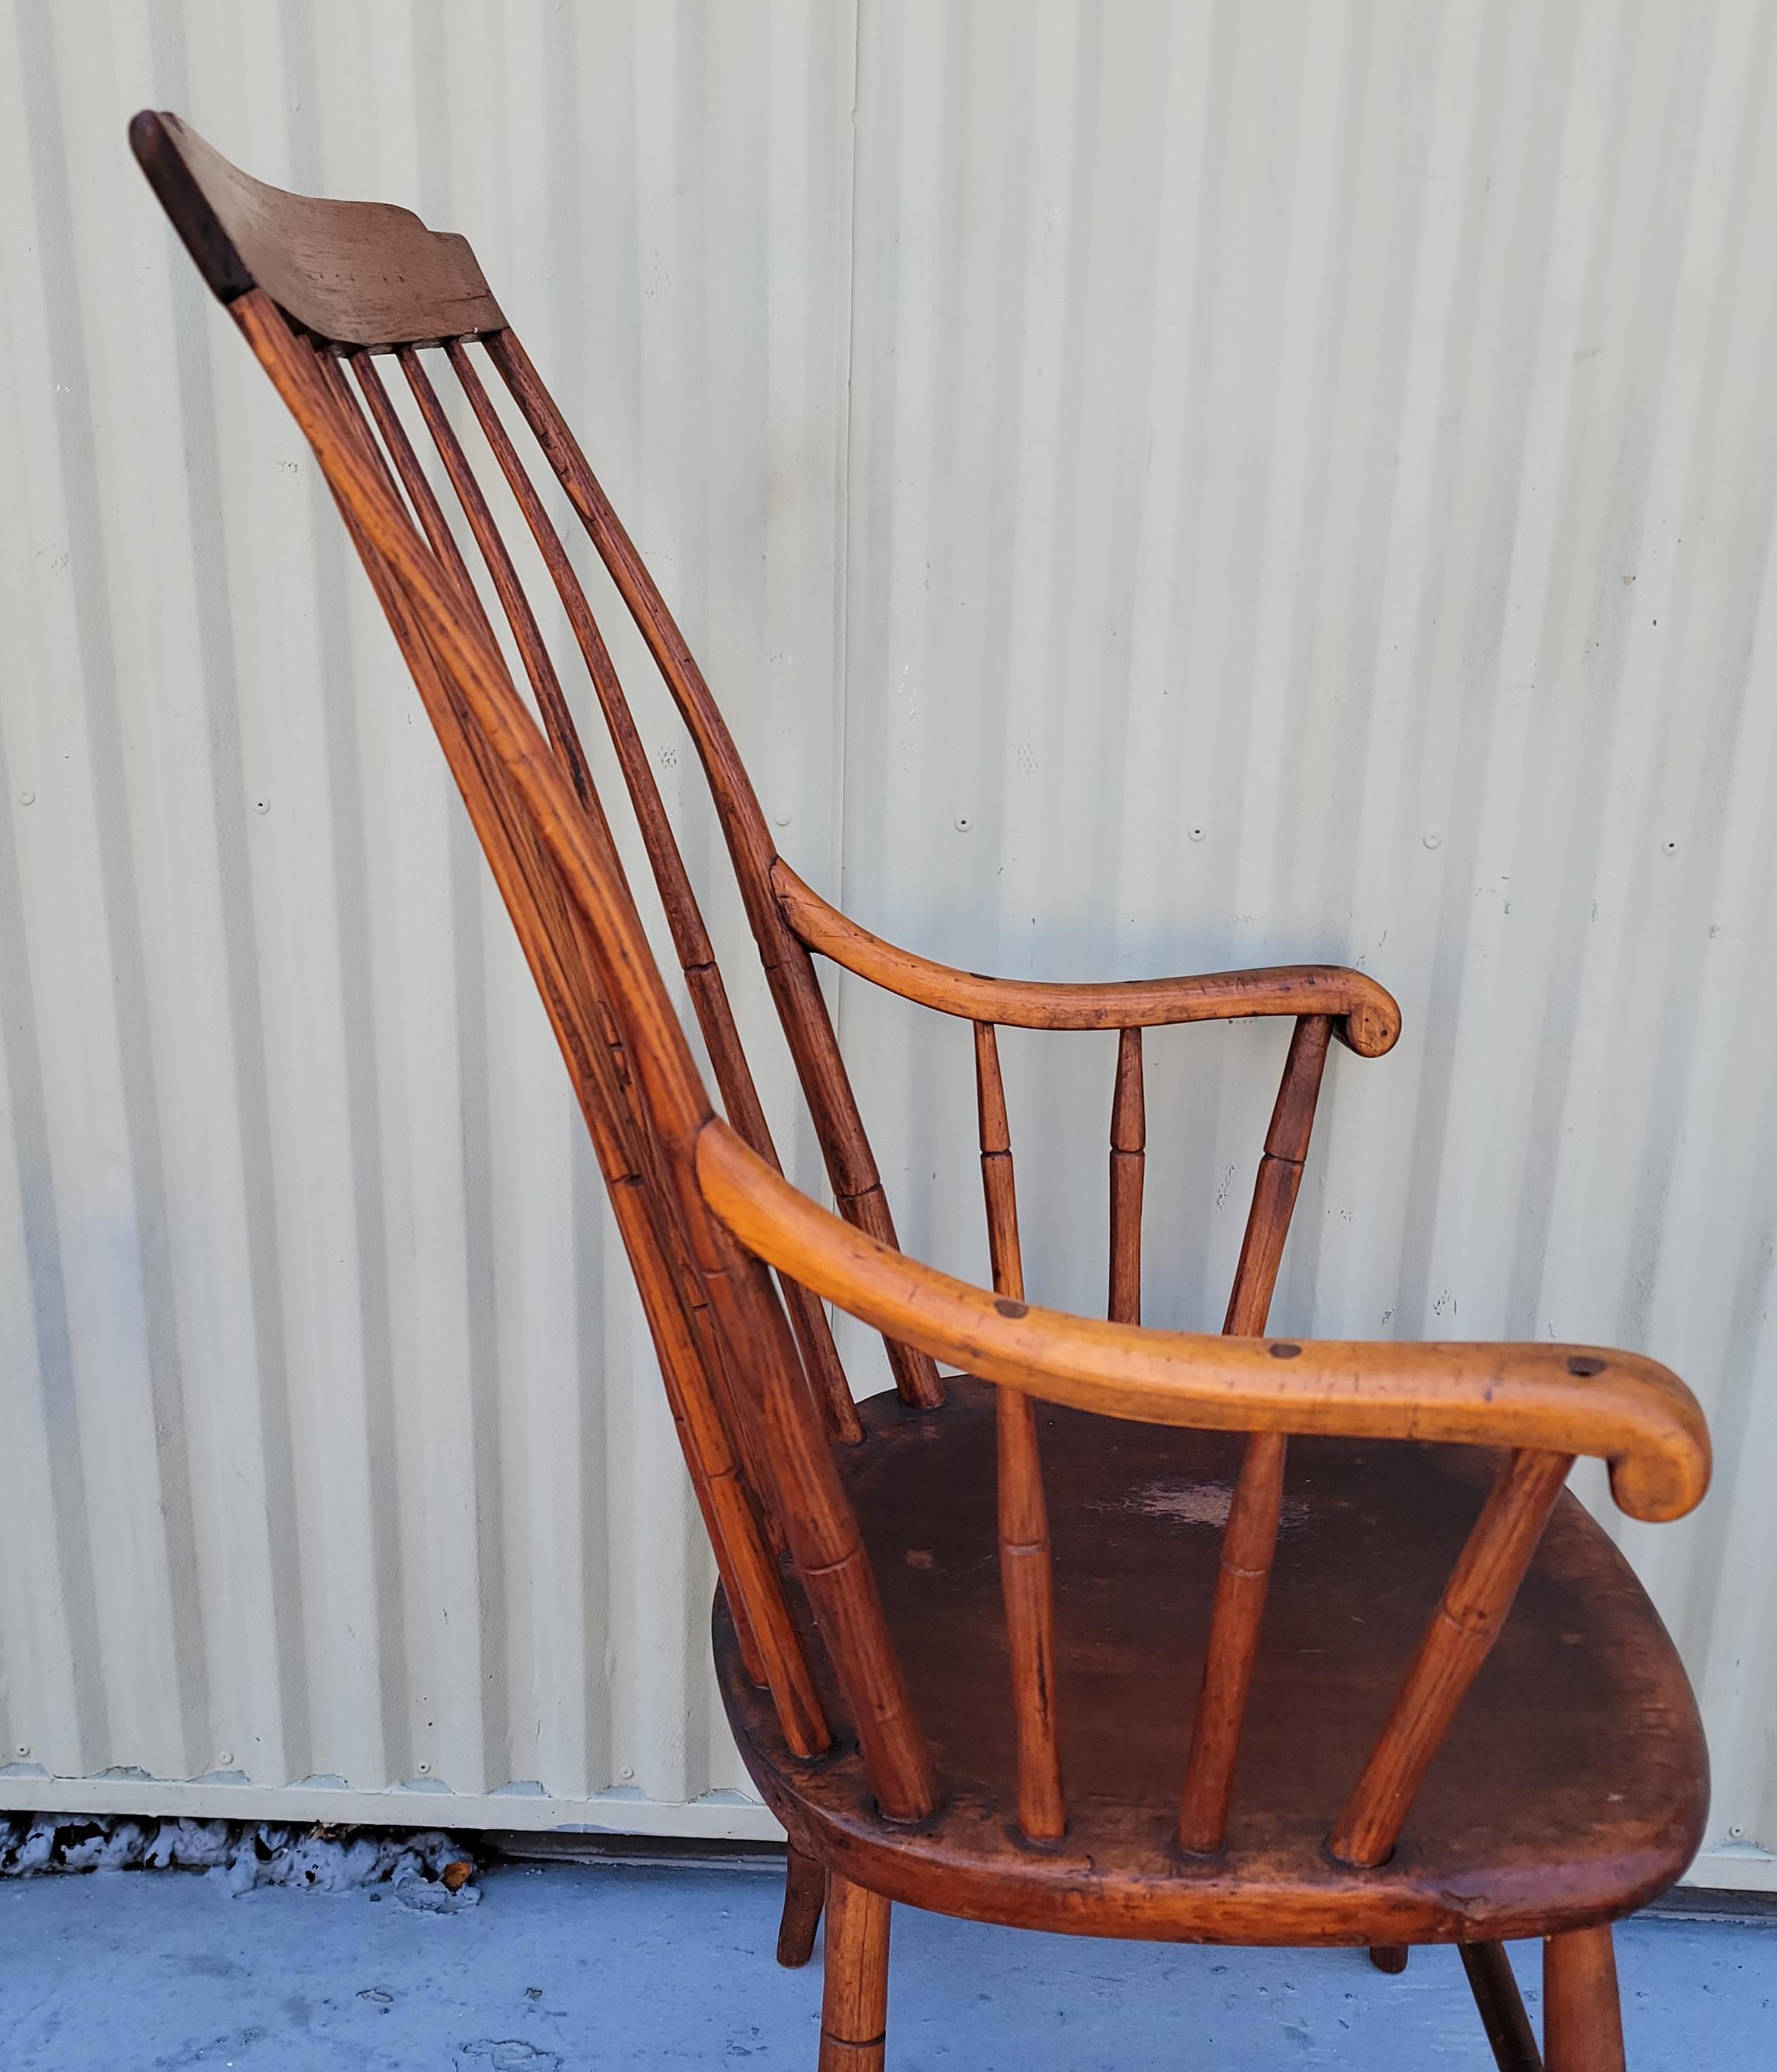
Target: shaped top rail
[359,272]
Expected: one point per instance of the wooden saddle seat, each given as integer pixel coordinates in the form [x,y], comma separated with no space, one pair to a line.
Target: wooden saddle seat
[1570,1789]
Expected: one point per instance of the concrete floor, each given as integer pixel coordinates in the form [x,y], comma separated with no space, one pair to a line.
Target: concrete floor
[571,1969]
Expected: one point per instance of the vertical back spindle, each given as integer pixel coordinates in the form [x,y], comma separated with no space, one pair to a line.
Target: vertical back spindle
[1129,1160]
[1026,1563]
[684,920]
[1249,1542]
[789,969]
[545,923]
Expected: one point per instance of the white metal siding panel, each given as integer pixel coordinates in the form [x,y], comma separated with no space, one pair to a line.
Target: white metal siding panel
[1196,485]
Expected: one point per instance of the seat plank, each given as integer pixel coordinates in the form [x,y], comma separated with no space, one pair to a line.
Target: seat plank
[1572,1788]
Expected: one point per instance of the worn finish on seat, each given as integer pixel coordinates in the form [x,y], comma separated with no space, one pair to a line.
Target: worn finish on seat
[1508,1838]
[1140,1632]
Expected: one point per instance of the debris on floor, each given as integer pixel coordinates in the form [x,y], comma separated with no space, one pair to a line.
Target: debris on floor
[430,1871]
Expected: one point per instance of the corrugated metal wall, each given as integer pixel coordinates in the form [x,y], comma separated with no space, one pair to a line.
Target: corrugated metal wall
[1156,487]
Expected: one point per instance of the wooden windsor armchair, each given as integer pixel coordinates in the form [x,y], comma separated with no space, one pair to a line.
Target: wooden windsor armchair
[986,1643]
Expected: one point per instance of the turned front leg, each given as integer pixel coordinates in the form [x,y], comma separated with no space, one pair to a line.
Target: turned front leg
[854,2003]
[1582,2016]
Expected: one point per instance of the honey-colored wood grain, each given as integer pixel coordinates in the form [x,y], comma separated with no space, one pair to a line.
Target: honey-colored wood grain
[1630,1412]
[1250,1541]
[1129,1162]
[998,1185]
[805,1896]
[684,920]
[789,970]
[822,1533]
[1026,1557]
[1582,2015]
[1457,1641]
[544,925]
[854,1997]
[1501,2007]
[1242,1582]
[360,272]
[1367,1018]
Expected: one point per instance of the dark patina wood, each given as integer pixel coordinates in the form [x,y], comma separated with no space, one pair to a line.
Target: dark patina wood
[1105,1629]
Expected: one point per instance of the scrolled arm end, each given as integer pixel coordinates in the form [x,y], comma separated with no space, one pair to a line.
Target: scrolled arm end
[1371,1027]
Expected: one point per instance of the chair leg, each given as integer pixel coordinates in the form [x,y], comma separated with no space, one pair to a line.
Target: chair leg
[1582,2018]
[804,1894]
[1389,1957]
[854,2003]
[1494,1986]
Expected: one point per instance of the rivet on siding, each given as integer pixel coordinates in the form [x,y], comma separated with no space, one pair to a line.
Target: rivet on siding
[780,820]
[964,823]
[27,798]
[626,1772]
[1433,840]
[261,805]
[224,1758]
[1197,834]
[425,1768]
[24,1748]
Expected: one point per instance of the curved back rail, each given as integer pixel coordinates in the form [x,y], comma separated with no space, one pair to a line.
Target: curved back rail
[753,1382]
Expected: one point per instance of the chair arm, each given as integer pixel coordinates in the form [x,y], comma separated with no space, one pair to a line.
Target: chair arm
[1367,1018]
[1628,1412]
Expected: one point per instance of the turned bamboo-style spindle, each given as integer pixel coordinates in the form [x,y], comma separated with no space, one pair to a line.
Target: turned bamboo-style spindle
[1249,1540]
[1026,1563]
[1462,1631]
[854,2001]
[1128,1160]
[684,920]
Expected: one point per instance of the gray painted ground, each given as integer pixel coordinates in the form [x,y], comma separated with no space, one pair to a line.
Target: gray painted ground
[567,1969]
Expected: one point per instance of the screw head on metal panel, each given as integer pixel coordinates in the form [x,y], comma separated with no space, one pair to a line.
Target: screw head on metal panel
[1433,839]
[224,1758]
[780,820]
[27,798]
[1197,834]
[425,1768]
[964,823]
